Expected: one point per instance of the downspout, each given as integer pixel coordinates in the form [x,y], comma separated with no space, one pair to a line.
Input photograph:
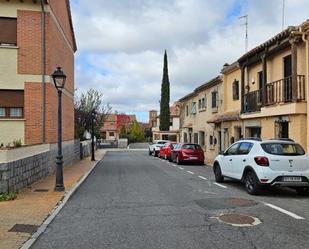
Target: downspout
[305,39]
[43,69]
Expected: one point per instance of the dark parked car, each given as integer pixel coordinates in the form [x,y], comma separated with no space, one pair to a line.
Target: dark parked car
[188,152]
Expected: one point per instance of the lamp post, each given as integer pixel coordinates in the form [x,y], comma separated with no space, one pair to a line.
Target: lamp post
[93,117]
[59,80]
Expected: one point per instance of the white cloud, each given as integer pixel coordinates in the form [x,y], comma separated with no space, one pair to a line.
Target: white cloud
[121,43]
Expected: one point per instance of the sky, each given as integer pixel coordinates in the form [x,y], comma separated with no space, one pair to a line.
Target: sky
[121,44]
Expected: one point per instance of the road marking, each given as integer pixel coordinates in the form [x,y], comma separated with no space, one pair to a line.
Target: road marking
[220,185]
[295,216]
[202,177]
[180,168]
[190,172]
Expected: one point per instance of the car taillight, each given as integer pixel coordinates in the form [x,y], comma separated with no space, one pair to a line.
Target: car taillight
[262,161]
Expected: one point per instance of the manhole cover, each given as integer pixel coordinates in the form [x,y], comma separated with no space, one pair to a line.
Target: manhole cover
[40,190]
[24,228]
[239,220]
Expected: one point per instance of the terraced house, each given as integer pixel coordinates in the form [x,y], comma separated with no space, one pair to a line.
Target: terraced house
[199,110]
[35,38]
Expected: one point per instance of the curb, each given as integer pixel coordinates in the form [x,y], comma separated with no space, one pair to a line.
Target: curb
[67,195]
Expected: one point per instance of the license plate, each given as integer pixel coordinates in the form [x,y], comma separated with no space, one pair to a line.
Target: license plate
[193,158]
[292,179]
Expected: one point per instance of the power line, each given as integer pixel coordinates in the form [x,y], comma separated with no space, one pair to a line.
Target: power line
[246,37]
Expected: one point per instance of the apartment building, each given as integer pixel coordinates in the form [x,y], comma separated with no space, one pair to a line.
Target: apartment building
[173,134]
[35,38]
[200,110]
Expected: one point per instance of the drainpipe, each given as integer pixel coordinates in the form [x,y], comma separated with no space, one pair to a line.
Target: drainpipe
[305,39]
[43,69]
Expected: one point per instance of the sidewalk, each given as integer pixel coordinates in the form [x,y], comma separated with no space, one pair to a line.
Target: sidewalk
[35,203]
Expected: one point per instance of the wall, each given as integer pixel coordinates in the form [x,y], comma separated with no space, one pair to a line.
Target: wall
[12,130]
[231,105]
[17,174]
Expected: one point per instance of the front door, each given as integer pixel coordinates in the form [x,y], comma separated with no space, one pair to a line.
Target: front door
[287,82]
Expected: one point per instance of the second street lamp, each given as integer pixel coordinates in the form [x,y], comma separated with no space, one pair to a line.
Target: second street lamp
[59,79]
[93,119]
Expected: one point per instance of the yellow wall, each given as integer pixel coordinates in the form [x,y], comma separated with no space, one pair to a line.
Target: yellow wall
[10,9]
[231,105]
[275,66]
[9,79]
[252,77]
[10,130]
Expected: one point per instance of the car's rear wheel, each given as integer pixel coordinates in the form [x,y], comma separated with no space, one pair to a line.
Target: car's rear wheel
[252,185]
[303,191]
[218,174]
[178,161]
[154,153]
[165,157]
[149,152]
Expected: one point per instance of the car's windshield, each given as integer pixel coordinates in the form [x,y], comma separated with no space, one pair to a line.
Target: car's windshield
[191,147]
[284,149]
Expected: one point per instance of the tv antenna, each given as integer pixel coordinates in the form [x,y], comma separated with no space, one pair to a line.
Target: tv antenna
[283,13]
[246,24]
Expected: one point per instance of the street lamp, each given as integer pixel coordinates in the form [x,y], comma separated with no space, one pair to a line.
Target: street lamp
[93,118]
[59,80]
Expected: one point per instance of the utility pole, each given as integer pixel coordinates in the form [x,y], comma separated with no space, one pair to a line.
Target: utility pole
[283,13]
[246,24]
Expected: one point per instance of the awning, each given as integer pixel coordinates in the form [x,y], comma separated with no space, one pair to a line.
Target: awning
[218,118]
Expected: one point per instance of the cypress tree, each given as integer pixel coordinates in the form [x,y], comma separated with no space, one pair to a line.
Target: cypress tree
[165,98]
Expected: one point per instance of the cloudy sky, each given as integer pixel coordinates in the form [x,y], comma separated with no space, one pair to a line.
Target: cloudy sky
[121,43]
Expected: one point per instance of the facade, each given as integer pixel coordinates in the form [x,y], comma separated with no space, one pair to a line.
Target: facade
[198,110]
[35,38]
[111,127]
[173,134]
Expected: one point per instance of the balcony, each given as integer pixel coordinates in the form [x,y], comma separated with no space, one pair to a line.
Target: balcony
[277,92]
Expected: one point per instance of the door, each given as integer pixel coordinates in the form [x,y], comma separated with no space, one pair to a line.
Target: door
[227,160]
[255,132]
[239,161]
[287,82]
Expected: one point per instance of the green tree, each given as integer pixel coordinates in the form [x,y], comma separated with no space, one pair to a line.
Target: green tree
[136,133]
[83,106]
[165,98]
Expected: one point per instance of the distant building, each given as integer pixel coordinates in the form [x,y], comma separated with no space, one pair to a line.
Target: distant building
[173,134]
[113,123]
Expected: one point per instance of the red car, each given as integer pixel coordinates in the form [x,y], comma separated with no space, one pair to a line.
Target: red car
[165,151]
[185,152]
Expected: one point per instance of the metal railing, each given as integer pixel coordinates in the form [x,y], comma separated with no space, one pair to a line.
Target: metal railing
[280,91]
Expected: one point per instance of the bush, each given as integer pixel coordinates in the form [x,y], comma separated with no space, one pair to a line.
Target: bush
[7,197]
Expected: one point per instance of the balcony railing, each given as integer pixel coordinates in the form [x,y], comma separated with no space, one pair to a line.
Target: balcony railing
[280,91]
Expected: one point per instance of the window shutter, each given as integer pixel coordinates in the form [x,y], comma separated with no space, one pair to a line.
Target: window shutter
[8,34]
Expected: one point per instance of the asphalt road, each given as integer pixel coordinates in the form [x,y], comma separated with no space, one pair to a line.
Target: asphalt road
[132,200]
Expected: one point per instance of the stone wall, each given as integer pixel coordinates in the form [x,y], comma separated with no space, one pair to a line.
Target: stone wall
[17,174]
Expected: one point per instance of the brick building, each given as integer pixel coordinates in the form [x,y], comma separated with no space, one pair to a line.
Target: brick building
[35,38]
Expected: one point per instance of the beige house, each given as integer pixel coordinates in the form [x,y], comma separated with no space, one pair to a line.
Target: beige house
[173,134]
[198,110]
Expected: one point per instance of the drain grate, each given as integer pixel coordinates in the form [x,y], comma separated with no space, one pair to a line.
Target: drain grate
[239,220]
[41,190]
[24,228]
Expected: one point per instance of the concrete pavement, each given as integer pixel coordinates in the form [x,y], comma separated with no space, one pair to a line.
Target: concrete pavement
[132,200]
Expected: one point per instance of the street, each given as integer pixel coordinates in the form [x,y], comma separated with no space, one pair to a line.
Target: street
[132,200]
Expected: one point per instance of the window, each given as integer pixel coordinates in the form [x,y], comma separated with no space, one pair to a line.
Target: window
[193,108]
[244,148]
[232,150]
[283,149]
[235,90]
[187,110]
[202,138]
[199,104]
[211,140]
[2,112]
[171,122]
[8,34]
[185,137]
[203,103]
[16,112]
[214,96]
[111,134]
[191,147]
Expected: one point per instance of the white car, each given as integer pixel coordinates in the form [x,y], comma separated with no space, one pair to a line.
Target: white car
[154,148]
[260,163]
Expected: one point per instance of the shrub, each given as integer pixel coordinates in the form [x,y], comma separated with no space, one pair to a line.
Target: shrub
[7,197]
